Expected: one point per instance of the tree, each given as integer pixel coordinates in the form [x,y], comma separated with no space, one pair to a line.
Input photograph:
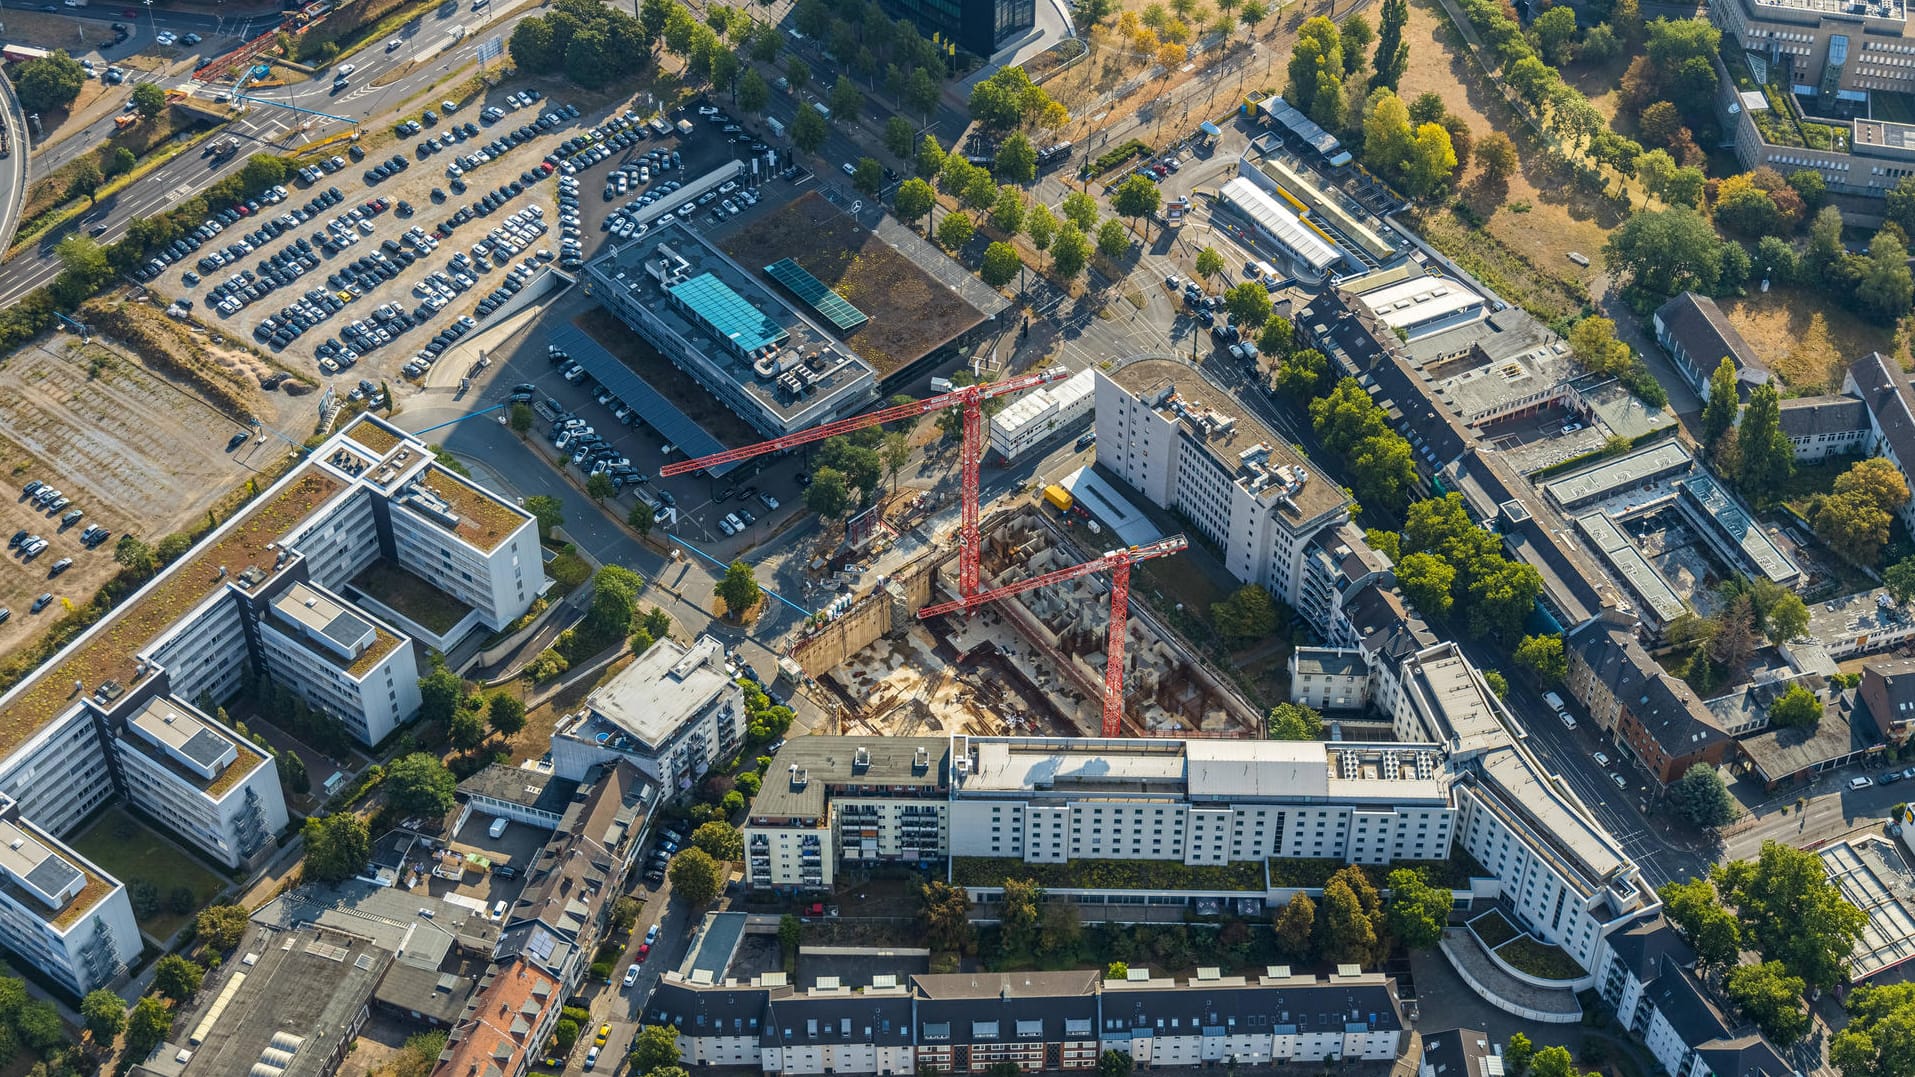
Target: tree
[1553,1061]
[1293,721]
[1007,211]
[1498,683]
[105,1015]
[1851,525]
[1700,797]
[954,231]
[1112,240]
[419,784]
[930,159]
[336,846]
[753,92]
[1001,264]
[1070,251]
[720,839]
[1900,579]
[1081,210]
[696,877]
[1209,262]
[598,486]
[1317,53]
[1772,999]
[808,129]
[1137,197]
[1719,413]
[1792,912]
[1662,252]
[1248,304]
[1115,1063]
[1497,155]
[654,1047]
[147,1026]
[1019,915]
[135,556]
[1543,655]
[1555,31]
[149,100]
[914,199]
[1355,38]
[1768,457]
[739,588]
[439,693]
[505,713]
[944,913]
[829,495]
[1392,51]
[1879,1040]
[1345,934]
[1517,1054]
[895,452]
[868,176]
[899,137]
[1418,911]
[1427,581]
[292,773]
[846,100]
[1797,708]
[176,977]
[1016,159]
[1248,614]
[1386,131]
[49,83]
[548,510]
[1296,926]
[85,179]
[221,926]
[1041,226]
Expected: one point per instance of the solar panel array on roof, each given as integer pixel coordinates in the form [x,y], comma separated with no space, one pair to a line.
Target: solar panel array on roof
[728,314]
[813,291]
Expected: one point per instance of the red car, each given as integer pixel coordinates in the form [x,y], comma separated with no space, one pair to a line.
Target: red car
[644,951]
[129,13]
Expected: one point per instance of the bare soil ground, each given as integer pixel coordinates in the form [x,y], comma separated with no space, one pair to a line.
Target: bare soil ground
[910,312]
[1802,337]
[133,450]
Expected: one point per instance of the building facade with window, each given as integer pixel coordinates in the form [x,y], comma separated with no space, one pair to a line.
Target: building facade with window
[980,27]
[674,713]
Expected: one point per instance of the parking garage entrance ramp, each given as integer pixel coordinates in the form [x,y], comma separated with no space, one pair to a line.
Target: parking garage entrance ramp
[636,393]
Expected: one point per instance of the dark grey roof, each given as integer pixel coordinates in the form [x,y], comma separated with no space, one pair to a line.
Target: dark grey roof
[1384,624]
[1664,706]
[1887,693]
[1676,992]
[1700,329]
[1274,1007]
[1010,1006]
[393,849]
[1885,390]
[711,1011]
[1807,416]
[1642,946]
[1456,1052]
[516,785]
[1744,1056]
[437,993]
[806,767]
[801,1020]
[53,875]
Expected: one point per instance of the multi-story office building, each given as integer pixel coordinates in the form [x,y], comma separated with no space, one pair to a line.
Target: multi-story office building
[857,800]
[1825,50]
[981,27]
[179,765]
[1041,1021]
[1186,445]
[1197,802]
[673,713]
[255,598]
[59,912]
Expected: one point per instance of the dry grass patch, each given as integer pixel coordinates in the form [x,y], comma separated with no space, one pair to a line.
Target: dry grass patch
[1802,338]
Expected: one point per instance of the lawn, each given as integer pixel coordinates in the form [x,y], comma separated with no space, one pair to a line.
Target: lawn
[133,852]
[427,606]
[1493,928]
[1539,959]
[1806,340]
[911,312]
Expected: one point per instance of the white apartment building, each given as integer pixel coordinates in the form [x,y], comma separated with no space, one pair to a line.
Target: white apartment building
[1033,416]
[467,542]
[1185,445]
[58,912]
[674,712]
[1054,800]
[858,800]
[251,598]
[341,661]
[207,783]
[1329,678]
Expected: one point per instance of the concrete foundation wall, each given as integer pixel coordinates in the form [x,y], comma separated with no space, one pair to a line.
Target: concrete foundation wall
[875,615]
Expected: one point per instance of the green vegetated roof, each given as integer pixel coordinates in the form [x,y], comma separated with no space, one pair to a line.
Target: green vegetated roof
[826,302]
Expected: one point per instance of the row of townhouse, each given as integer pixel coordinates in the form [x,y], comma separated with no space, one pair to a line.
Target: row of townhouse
[264,595]
[970,1022]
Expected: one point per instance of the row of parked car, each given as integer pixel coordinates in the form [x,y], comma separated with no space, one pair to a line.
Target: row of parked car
[187,245]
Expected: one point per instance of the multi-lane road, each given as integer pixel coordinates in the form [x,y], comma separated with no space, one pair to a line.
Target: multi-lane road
[382,80]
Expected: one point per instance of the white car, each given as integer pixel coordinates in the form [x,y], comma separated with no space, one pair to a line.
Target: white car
[631,975]
[1601,759]
[347,69]
[724,524]
[1568,722]
[849,168]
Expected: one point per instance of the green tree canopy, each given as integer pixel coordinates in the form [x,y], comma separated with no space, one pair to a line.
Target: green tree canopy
[720,839]
[1797,708]
[1293,721]
[739,588]
[336,846]
[1879,1040]
[1543,655]
[1418,912]
[1772,998]
[419,784]
[1791,911]
[1249,614]
[176,977]
[1700,797]
[696,877]
[654,1047]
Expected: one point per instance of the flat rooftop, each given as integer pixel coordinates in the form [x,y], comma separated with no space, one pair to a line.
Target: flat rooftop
[1612,476]
[1446,680]
[1626,561]
[1742,533]
[651,698]
[207,757]
[1214,420]
[1583,852]
[1894,136]
[728,300]
[1872,874]
[1873,9]
[481,519]
[803,769]
[1412,302]
[1203,769]
[352,641]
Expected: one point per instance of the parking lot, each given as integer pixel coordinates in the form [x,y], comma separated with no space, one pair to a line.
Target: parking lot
[344,265]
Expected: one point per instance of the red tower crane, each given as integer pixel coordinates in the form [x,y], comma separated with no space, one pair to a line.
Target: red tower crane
[1118,562]
[970,398]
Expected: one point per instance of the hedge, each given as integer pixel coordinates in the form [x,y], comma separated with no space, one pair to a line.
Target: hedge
[1117,155]
[1311,873]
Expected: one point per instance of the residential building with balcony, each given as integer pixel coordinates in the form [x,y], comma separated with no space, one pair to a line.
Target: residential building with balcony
[1652,715]
[829,800]
[204,780]
[1651,982]
[673,713]
[340,660]
[506,1023]
[59,912]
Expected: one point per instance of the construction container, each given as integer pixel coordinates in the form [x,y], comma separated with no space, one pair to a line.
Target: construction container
[1059,497]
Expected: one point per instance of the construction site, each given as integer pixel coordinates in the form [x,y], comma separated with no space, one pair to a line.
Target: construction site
[1031,664]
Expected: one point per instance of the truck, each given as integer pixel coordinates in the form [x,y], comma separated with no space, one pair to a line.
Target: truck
[776,125]
[225,148]
[125,120]
[1059,497]
[685,128]
[822,110]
